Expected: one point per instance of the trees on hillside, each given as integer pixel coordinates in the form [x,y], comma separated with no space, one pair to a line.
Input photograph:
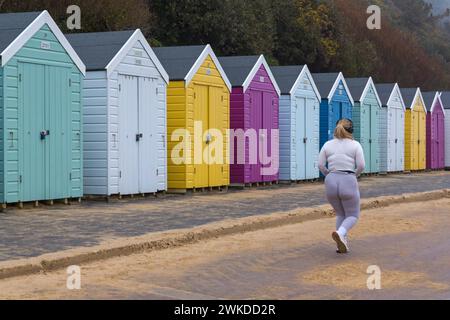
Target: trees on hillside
[325,34]
[99,15]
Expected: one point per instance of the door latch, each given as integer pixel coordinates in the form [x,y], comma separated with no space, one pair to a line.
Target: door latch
[139,136]
[44,134]
[396,140]
[208,138]
[305,140]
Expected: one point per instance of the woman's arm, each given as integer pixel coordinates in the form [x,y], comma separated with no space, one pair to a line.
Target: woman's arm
[323,162]
[360,161]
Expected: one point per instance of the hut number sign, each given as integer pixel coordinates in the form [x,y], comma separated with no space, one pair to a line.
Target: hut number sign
[45,45]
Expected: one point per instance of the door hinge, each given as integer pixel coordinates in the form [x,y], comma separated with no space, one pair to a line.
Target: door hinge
[70,176]
[195,170]
[195,95]
[223,99]
[157,172]
[20,77]
[20,179]
[70,82]
[157,91]
[222,170]
[120,174]
[120,87]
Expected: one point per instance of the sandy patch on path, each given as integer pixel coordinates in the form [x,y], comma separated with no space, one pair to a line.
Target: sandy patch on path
[353,275]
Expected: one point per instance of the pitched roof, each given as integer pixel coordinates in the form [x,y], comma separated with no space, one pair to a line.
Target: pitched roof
[385,91]
[286,77]
[357,86]
[445,98]
[97,49]
[238,68]
[178,61]
[325,82]
[428,98]
[408,95]
[12,25]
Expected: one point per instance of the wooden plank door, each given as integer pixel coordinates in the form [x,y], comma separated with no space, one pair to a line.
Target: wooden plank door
[336,113]
[423,140]
[415,154]
[310,151]
[201,114]
[215,148]
[267,123]
[392,139]
[32,175]
[365,135]
[129,146]
[400,140]
[147,122]
[58,141]
[256,123]
[299,139]
[441,141]
[374,143]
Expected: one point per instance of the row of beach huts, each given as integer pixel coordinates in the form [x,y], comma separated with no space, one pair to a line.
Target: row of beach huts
[97,113]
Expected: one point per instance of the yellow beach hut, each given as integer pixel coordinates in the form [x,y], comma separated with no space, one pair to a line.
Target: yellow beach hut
[415,130]
[198,118]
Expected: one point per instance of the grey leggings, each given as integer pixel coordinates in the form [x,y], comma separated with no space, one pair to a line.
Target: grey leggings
[343,194]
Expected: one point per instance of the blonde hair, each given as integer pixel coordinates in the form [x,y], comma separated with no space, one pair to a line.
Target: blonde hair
[341,132]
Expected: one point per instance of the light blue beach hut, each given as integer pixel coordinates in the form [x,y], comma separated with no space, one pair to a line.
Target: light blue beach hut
[299,123]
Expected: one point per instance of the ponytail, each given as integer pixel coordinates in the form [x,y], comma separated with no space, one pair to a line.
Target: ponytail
[344,129]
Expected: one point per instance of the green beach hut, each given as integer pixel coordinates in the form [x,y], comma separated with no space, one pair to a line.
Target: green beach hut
[40,111]
[366,120]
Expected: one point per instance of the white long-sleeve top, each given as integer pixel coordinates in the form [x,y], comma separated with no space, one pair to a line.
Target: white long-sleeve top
[342,155]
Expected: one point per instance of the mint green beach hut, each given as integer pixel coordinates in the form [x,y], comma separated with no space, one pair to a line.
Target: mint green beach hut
[366,120]
[40,111]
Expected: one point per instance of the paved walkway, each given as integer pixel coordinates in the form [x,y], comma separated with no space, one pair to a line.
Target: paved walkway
[408,244]
[28,233]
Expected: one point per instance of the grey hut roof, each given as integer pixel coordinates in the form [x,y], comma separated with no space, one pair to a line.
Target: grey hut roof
[445,98]
[12,25]
[97,49]
[385,91]
[428,98]
[238,68]
[286,77]
[325,82]
[408,96]
[357,86]
[178,61]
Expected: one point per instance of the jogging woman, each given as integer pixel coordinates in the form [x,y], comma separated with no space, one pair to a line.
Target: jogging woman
[345,159]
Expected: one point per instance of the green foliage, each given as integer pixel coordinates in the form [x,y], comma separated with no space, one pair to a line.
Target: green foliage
[411,48]
[98,15]
[230,26]
[306,33]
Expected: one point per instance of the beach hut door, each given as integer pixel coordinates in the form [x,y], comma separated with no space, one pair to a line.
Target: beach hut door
[299,141]
[129,145]
[44,97]
[138,170]
[147,139]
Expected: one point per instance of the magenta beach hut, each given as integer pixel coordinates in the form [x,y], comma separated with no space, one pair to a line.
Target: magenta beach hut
[435,130]
[254,123]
